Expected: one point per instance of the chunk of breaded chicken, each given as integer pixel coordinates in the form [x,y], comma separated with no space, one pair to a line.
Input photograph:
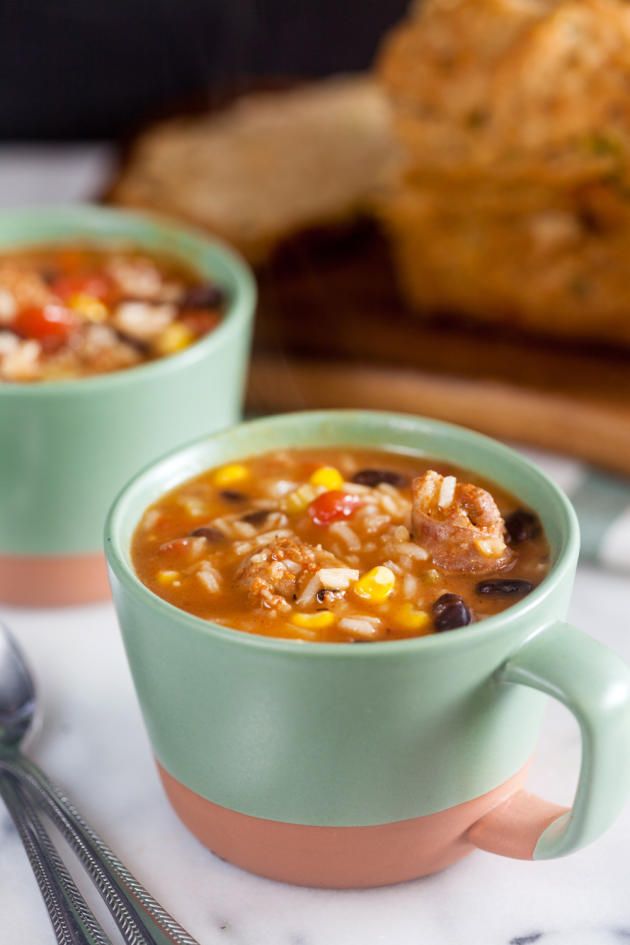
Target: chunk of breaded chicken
[274,575]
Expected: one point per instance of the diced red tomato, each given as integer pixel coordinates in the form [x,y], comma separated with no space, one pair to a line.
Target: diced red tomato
[95,284]
[333,506]
[51,325]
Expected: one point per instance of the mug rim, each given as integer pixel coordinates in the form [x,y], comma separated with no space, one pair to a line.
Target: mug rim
[471,634]
[239,309]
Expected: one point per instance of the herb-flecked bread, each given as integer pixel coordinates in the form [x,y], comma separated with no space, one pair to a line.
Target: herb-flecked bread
[514,203]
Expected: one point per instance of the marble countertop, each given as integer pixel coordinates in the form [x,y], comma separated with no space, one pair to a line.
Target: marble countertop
[93,743]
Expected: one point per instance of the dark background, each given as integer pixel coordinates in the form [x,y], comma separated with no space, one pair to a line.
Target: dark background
[73,69]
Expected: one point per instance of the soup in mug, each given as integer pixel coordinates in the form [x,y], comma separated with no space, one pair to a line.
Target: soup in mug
[340,545]
[71,311]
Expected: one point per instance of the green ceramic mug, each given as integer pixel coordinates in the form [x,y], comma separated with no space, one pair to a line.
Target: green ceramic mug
[67,447]
[341,765]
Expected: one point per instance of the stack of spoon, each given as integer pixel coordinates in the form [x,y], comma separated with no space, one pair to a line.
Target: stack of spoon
[32,800]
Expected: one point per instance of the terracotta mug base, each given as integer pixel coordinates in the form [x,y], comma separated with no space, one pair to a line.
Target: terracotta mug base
[336,857]
[55,581]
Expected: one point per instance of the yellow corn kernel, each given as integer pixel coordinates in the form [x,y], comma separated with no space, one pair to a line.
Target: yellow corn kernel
[296,501]
[174,338]
[328,477]
[88,306]
[316,621]
[229,475]
[167,577]
[376,585]
[408,617]
[490,547]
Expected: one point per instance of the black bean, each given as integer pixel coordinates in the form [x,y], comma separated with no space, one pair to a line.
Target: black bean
[447,599]
[209,532]
[326,595]
[49,274]
[505,587]
[257,517]
[206,295]
[233,495]
[450,611]
[374,477]
[522,525]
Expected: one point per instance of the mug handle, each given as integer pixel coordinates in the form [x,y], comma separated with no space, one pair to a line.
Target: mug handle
[594,684]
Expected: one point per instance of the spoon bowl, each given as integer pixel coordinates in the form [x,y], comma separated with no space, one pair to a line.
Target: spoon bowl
[18,696]
[140,919]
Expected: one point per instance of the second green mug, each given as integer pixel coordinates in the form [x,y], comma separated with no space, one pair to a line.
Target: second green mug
[67,447]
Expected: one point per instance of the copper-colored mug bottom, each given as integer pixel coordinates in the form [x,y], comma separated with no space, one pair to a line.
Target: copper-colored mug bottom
[340,857]
[53,581]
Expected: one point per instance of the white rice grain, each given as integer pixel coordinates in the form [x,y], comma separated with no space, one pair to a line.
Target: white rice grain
[346,534]
[143,321]
[356,488]
[426,493]
[309,592]
[386,488]
[410,586]
[151,518]
[223,525]
[388,504]
[243,530]
[275,520]
[411,550]
[361,626]
[193,505]
[292,566]
[267,537]
[393,566]
[279,487]
[209,577]
[337,579]
[8,306]
[447,492]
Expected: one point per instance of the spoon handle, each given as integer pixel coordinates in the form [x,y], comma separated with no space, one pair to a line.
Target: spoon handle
[72,921]
[142,920]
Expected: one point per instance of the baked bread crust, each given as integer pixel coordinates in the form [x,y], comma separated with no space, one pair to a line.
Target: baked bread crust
[514,203]
[268,166]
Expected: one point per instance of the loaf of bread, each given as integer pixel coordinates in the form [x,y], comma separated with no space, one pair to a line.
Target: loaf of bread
[270,165]
[513,205]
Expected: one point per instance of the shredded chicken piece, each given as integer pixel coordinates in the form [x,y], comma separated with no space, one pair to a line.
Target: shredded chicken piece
[459,524]
[24,287]
[19,362]
[273,575]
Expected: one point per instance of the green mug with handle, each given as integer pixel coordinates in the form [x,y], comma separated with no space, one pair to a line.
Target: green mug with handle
[341,765]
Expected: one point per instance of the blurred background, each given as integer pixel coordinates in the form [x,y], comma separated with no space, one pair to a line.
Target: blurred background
[435,197]
[95,70]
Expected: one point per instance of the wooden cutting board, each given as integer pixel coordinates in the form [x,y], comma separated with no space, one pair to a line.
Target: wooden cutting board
[332,331]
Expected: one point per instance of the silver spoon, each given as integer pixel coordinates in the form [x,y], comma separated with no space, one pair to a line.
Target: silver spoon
[140,919]
[72,920]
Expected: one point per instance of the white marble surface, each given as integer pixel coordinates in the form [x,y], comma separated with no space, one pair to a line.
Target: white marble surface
[93,743]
